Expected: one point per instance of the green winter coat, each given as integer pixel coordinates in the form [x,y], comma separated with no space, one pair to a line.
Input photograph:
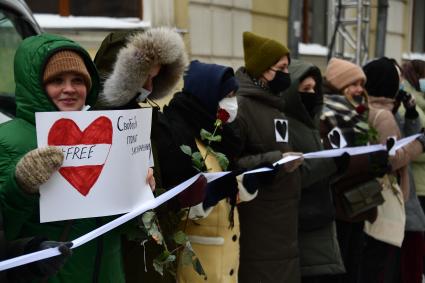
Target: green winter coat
[96,261]
[319,250]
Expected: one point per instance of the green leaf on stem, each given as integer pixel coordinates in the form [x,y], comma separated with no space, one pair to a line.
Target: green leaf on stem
[205,135]
[197,160]
[180,237]
[186,256]
[189,257]
[216,138]
[163,260]
[222,160]
[186,149]
[151,227]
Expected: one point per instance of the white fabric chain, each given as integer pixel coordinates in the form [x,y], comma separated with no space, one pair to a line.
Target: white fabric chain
[151,204]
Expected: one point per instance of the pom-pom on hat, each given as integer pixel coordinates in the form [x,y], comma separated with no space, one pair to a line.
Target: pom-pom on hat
[261,53]
[341,73]
[63,62]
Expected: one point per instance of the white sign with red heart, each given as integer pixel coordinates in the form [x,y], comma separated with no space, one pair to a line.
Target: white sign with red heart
[106,157]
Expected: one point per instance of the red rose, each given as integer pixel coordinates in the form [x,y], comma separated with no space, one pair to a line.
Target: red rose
[360,109]
[223,115]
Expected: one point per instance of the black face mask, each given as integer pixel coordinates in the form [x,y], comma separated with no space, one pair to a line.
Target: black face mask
[280,82]
[309,100]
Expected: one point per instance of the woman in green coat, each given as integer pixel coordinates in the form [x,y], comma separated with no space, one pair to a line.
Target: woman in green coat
[52,73]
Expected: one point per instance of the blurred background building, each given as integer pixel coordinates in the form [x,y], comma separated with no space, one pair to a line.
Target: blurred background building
[213,28]
[314,30]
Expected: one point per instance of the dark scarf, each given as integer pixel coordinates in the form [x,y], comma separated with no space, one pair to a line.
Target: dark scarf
[339,112]
[187,117]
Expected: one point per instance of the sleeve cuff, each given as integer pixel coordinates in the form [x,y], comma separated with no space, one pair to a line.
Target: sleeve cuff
[198,212]
[244,195]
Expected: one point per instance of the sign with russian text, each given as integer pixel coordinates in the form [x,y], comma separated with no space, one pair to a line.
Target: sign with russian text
[106,159]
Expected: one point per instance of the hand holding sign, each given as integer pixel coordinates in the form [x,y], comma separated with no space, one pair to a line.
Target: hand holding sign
[37,166]
[293,164]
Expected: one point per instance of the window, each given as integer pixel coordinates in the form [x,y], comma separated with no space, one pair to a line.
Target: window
[9,41]
[418,26]
[110,8]
[14,26]
[314,21]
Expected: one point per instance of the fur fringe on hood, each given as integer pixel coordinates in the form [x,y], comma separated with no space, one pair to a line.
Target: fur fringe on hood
[144,50]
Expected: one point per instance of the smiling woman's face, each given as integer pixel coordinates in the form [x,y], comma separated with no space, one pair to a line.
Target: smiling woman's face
[354,89]
[67,91]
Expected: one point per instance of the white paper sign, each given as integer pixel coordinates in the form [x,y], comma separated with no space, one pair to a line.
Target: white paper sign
[106,158]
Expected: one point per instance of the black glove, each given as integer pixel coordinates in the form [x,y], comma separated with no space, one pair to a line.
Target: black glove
[50,266]
[342,162]
[409,104]
[225,187]
[378,163]
[253,182]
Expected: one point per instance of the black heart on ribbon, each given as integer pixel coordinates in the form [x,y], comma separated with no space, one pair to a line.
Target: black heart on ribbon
[281,128]
[335,138]
[390,143]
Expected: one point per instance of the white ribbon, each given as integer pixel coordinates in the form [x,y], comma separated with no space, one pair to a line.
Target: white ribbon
[151,204]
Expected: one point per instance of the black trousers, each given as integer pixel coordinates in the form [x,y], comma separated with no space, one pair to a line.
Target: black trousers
[351,240]
[381,263]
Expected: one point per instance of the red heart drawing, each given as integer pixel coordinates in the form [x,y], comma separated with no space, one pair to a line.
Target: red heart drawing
[66,132]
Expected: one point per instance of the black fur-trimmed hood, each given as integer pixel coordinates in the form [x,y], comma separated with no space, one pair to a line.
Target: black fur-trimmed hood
[142,51]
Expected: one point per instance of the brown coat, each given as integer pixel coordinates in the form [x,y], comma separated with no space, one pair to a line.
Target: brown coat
[383,120]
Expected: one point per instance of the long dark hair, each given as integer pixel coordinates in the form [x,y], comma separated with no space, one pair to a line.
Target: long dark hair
[413,71]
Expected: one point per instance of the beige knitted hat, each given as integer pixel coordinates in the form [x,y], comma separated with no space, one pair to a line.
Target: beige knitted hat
[341,73]
[66,61]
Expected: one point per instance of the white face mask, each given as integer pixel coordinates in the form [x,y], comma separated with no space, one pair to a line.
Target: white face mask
[144,93]
[230,104]
[422,85]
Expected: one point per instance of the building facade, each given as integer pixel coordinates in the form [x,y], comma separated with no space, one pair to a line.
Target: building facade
[213,29]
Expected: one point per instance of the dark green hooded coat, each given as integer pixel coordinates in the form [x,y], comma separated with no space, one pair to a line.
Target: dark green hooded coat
[90,262]
[319,250]
[268,223]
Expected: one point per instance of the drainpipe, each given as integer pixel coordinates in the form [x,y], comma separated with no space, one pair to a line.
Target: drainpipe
[381,28]
[64,9]
[294,27]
